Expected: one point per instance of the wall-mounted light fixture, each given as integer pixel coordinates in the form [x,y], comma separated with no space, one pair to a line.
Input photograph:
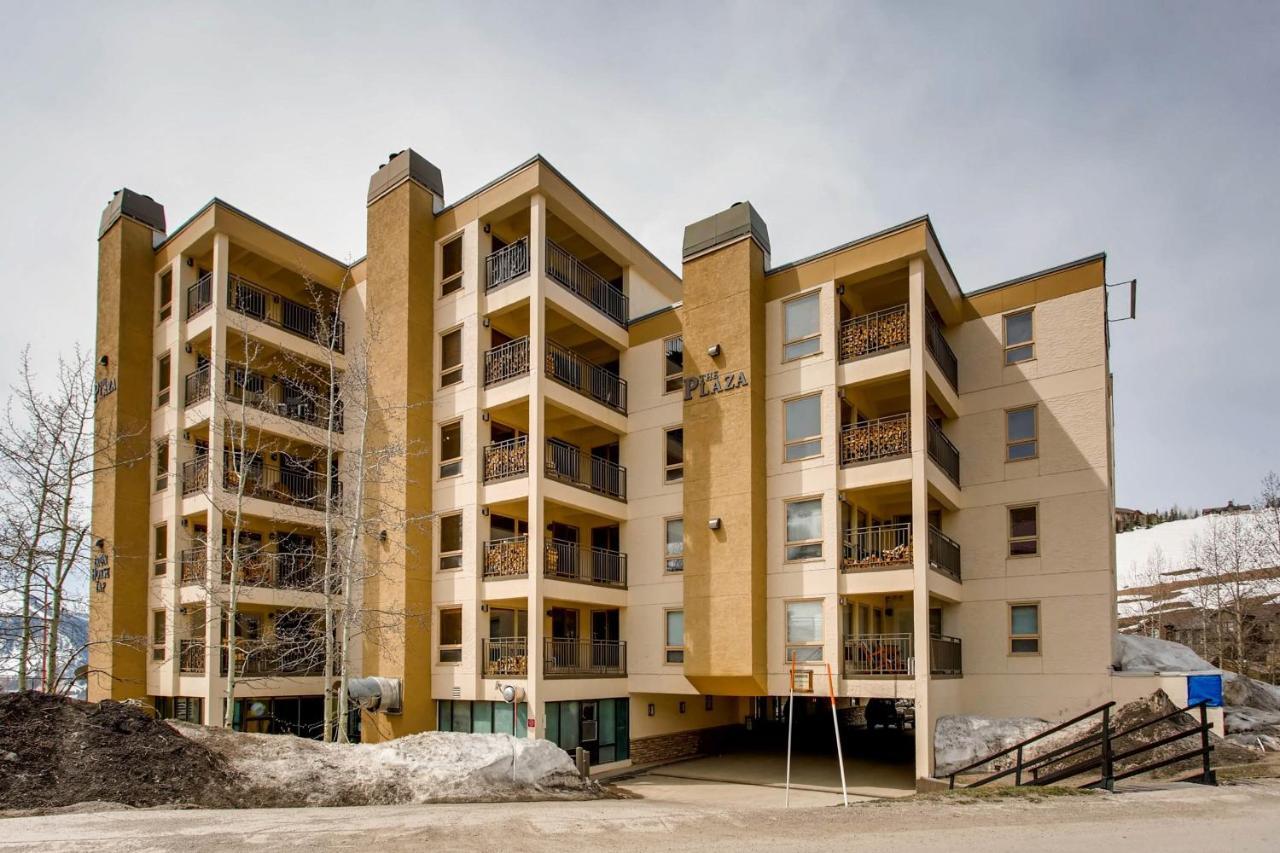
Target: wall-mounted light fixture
[714,524]
[652,709]
[185,522]
[191,262]
[484,416]
[382,536]
[486,228]
[484,510]
[713,350]
[683,707]
[100,544]
[187,349]
[840,289]
[186,436]
[710,702]
[485,322]
[484,608]
[104,361]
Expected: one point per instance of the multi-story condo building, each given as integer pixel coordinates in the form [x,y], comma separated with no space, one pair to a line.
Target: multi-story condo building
[641,499]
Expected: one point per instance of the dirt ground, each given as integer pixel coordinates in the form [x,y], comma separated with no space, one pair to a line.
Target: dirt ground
[1243,817]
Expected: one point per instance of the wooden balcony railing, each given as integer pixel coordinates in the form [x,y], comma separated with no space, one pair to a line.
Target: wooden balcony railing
[507,656]
[883,438]
[507,264]
[591,380]
[941,351]
[504,460]
[571,561]
[943,452]
[506,361]
[586,283]
[878,331]
[574,466]
[507,558]
[281,312]
[878,654]
[877,547]
[574,658]
[944,553]
[200,295]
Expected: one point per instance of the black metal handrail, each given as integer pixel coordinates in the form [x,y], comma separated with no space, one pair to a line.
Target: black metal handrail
[575,658]
[571,561]
[504,656]
[589,379]
[943,452]
[572,465]
[200,295]
[507,264]
[506,558]
[1020,747]
[944,553]
[874,332]
[506,361]
[506,459]
[877,545]
[883,438]
[586,283]
[254,301]
[943,355]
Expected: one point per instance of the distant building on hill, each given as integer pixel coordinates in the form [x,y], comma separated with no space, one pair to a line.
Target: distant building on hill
[1127,519]
[1231,507]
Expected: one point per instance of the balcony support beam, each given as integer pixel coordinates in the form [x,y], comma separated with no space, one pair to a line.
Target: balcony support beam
[538,627]
[920,515]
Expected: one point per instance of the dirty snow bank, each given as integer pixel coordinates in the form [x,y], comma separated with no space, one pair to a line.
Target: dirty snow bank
[431,767]
[960,740]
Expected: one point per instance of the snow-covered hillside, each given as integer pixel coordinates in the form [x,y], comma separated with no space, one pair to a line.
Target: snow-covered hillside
[1173,538]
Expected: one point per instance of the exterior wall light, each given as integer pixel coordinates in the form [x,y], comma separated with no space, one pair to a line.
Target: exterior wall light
[683,706]
[713,350]
[382,536]
[104,361]
[652,709]
[714,524]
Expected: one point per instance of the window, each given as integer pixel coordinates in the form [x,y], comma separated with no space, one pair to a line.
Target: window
[674,636]
[157,635]
[804,530]
[675,544]
[451,266]
[804,630]
[162,380]
[166,295]
[162,465]
[1024,531]
[1024,629]
[451,635]
[804,427]
[1019,340]
[800,327]
[451,542]
[161,549]
[450,449]
[673,363]
[451,358]
[675,455]
[1020,434]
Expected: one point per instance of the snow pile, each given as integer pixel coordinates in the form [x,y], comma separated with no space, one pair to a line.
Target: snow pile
[960,740]
[1134,653]
[431,767]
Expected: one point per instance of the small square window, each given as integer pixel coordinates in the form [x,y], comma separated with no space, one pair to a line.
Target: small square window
[675,455]
[450,449]
[1020,434]
[1024,629]
[804,530]
[451,358]
[1019,339]
[675,544]
[804,631]
[804,428]
[673,364]
[451,635]
[674,639]
[1024,531]
[801,329]
[451,542]
[451,266]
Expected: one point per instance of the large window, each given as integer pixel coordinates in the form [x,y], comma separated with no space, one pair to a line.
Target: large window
[451,635]
[1020,434]
[451,358]
[804,630]
[450,449]
[157,634]
[451,266]
[804,427]
[162,465]
[166,295]
[162,380]
[804,529]
[1024,629]
[800,327]
[451,541]
[675,544]
[675,455]
[674,637]
[1024,531]
[161,564]
[1019,337]
[673,363]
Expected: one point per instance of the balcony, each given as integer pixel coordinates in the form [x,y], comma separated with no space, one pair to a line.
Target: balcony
[200,295]
[505,460]
[251,300]
[893,654]
[590,380]
[586,284]
[944,554]
[576,467]
[191,657]
[569,561]
[195,387]
[506,558]
[943,452]
[574,658]
[871,441]
[944,655]
[504,656]
[878,547]
[507,264]
[879,331]
[508,361]
[294,486]
[290,400]
[260,659]
[941,351]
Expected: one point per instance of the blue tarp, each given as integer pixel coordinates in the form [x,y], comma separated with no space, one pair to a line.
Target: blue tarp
[1206,689]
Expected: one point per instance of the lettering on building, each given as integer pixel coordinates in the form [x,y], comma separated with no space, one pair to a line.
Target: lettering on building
[713,383]
[103,388]
[101,572]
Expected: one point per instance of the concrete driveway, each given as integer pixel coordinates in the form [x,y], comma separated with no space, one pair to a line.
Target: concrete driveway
[810,772]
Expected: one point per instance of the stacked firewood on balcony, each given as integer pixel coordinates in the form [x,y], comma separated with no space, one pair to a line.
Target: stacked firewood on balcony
[874,333]
[877,439]
[896,554]
[505,460]
[508,662]
[505,559]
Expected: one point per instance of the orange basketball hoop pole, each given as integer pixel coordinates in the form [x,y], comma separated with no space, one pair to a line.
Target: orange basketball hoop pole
[835,723]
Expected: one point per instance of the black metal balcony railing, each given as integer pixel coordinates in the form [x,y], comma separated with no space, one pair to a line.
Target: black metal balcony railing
[571,465]
[878,654]
[196,387]
[591,380]
[269,569]
[192,564]
[941,351]
[506,459]
[945,655]
[195,475]
[943,452]
[574,562]
[883,438]
[507,558]
[281,484]
[305,405]
[273,309]
[507,264]
[191,657]
[507,656]
[506,361]
[586,283]
[875,332]
[200,295]
[259,659]
[574,658]
[944,553]
[877,546]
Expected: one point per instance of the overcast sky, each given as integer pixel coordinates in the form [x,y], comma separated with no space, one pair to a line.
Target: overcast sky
[1032,134]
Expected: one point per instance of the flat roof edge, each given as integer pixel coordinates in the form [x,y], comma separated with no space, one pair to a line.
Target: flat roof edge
[893,229]
[1079,262]
[231,208]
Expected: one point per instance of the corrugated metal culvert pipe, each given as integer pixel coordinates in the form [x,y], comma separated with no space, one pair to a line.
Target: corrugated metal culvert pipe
[376,694]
